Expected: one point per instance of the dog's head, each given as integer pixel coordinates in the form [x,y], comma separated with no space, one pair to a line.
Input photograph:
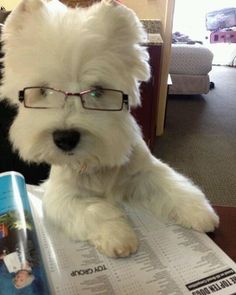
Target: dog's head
[76,58]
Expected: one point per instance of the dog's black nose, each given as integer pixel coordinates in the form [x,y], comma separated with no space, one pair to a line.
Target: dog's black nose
[66,140]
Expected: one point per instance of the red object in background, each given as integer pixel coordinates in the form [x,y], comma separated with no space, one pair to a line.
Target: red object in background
[3,230]
[223,37]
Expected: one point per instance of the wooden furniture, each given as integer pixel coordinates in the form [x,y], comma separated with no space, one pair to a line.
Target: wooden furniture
[169,83]
[146,115]
[224,236]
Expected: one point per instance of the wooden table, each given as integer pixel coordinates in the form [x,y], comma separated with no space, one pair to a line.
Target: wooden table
[225,235]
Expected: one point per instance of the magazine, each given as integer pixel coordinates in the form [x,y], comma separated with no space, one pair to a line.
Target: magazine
[21,266]
[171,260]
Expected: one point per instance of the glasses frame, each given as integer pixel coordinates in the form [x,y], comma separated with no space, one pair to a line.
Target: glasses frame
[125,98]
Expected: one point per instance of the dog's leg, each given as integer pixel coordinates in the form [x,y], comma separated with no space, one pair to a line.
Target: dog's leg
[100,222]
[172,196]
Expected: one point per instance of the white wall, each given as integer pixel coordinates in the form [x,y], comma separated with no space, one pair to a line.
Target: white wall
[148,8]
[189,16]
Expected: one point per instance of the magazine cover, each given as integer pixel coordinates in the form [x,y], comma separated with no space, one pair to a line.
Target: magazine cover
[21,268]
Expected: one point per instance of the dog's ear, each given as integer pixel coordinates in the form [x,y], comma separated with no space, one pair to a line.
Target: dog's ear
[28,9]
[111,2]
[125,36]
[122,21]
[20,31]
[23,10]
[30,5]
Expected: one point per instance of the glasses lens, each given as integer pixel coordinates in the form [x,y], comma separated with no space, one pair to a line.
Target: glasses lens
[102,99]
[43,97]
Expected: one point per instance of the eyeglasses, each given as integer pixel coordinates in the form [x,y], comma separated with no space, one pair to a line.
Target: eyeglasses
[98,98]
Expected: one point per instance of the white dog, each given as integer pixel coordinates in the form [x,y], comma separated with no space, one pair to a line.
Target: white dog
[73,74]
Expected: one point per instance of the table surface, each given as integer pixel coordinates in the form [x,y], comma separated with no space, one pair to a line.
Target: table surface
[225,235]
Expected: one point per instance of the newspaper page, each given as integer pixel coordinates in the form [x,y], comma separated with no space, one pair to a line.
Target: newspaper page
[171,260]
[21,266]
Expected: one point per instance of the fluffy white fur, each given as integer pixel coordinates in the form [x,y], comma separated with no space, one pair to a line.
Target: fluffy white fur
[73,49]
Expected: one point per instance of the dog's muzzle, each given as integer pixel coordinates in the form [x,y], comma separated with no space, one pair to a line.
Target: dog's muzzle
[66,140]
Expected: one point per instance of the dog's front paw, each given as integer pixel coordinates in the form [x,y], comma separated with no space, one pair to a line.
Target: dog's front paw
[198,215]
[116,239]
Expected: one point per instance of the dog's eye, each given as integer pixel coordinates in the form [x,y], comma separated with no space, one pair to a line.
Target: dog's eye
[43,92]
[97,92]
